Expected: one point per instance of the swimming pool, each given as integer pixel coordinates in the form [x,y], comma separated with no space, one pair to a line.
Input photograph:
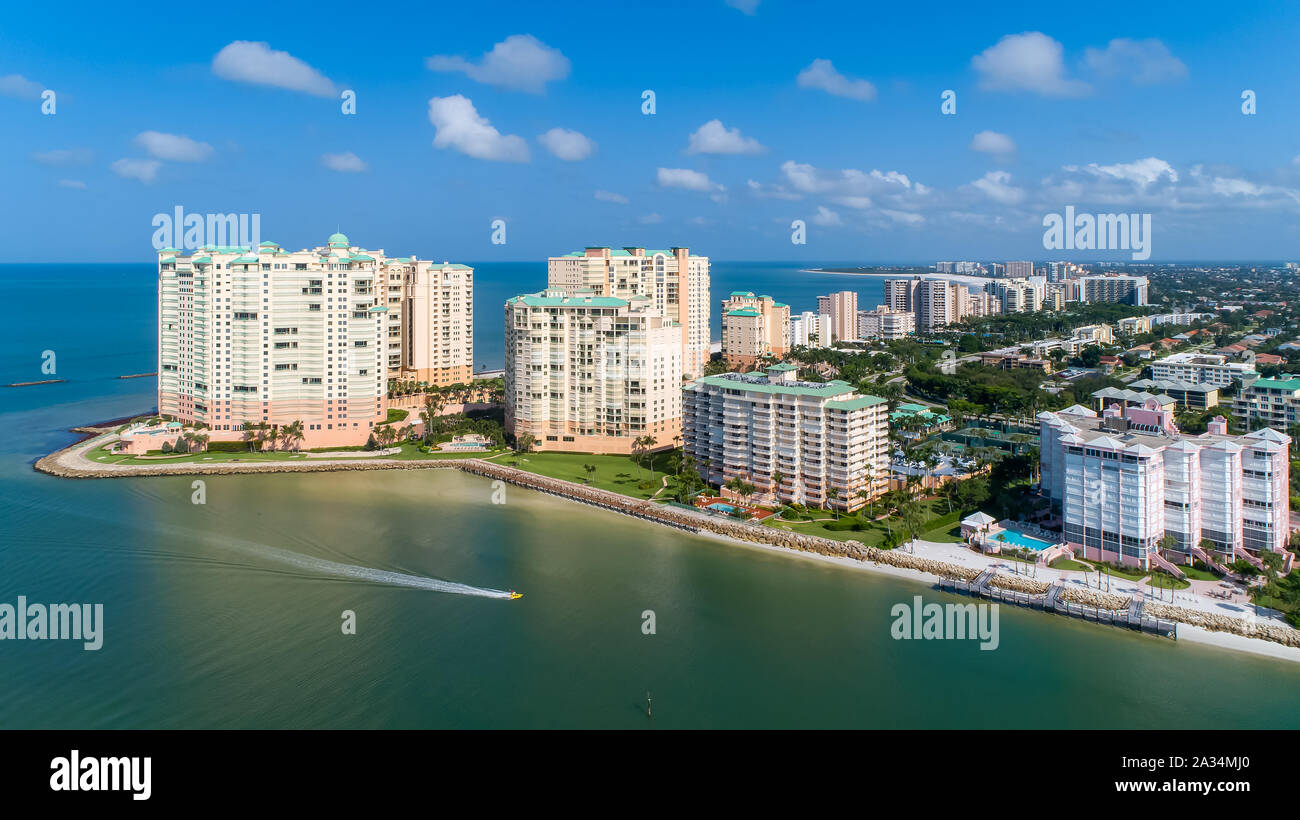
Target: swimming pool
[720,507]
[1019,539]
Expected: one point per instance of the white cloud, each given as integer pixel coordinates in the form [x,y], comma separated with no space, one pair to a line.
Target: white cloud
[748,7]
[173,147]
[650,219]
[64,157]
[859,202]
[848,182]
[822,74]
[1142,172]
[567,145]
[257,63]
[996,185]
[16,85]
[686,178]
[991,142]
[460,127]
[715,138]
[610,196]
[74,184]
[521,62]
[1031,61]
[345,163]
[826,217]
[1144,62]
[144,170]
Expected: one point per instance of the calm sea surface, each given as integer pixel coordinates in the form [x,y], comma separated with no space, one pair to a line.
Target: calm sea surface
[207,624]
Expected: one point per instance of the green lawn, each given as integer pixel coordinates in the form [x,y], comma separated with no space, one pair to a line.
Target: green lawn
[1198,574]
[1130,573]
[1161,581]
[1067,564]
[615,473]
[940,526]
[410,452]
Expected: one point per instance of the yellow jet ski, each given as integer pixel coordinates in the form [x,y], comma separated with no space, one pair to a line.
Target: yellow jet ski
[514,595]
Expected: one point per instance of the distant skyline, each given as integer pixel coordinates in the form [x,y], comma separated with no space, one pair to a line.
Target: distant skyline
[766,112]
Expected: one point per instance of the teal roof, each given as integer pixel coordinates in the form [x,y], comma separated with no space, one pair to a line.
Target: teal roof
[744,312]
[542,300]
[244,260]
[169,250]
[779,304]
[914,408]
[782,368]
[269,244]
[856,404]
[361,257]
[338,240]
[742,293]
[1289,383]
[826,390]
[201,260]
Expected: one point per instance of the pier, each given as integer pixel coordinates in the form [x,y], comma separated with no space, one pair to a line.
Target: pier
[1053,601]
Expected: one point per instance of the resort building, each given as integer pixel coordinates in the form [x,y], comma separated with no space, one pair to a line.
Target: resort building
[814,443]
[676,282]
[430,320]
[1114,397]
[1125,479]
[1275,402]
[754,328]
[885,323]
[842,308]
[591,373]
[1201,368]
[1020,270]
[276,337]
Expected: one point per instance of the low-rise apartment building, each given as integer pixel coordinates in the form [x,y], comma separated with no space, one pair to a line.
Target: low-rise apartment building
[1275,402]
[1202,368]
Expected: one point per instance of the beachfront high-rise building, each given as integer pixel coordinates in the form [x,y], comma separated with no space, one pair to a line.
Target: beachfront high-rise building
[885,323]
[1130,290]
[842,307]
[676,281]
[810,330]
[1020,270]
[753,328]
[274,337]
[430,324]
[936,302]
[591,373]
[795,441]
[1127,478]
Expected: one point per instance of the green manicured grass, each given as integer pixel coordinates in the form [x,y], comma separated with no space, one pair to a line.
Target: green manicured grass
[1067,564]
[1129,573]
[396,414]
[940,526]
[103,457]
[1161,581]
[615,473]
[1198,574]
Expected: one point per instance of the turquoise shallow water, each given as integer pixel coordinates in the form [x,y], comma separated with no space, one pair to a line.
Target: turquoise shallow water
[208,624]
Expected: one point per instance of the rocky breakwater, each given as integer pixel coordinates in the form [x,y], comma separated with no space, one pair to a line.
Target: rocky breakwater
[1247,627]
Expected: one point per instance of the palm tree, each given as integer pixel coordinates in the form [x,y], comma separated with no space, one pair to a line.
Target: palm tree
[591,471]
[831,495]
[292,432]
[865,496]
[778,478]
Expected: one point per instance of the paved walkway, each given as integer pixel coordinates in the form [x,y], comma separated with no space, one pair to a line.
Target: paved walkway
[1193,597]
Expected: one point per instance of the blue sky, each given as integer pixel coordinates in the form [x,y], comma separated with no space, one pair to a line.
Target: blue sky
[826,112]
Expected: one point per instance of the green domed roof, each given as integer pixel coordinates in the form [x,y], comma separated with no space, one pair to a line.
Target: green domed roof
[338,240]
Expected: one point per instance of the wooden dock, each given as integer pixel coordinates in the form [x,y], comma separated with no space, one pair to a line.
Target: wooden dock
[1052,601]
